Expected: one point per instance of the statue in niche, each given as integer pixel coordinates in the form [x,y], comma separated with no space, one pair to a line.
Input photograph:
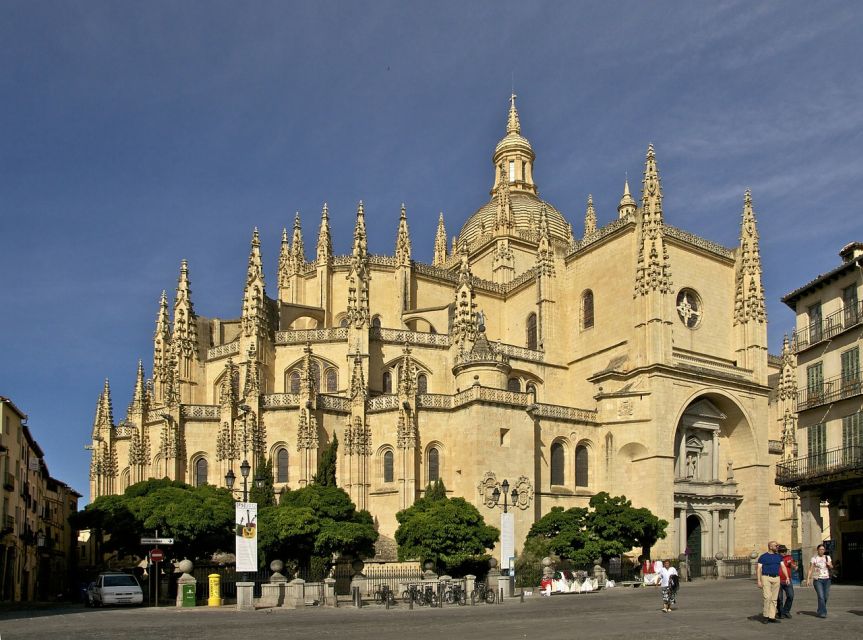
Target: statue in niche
[729,471]
[692,465]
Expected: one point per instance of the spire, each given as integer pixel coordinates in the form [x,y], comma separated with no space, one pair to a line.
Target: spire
[139,396]
[161,342]
[184,337]
[285,261]
[504,220]
[104,420]
[184,290]
[256,269]
[360,249]
[512,124]
[544,254]
[749,294]
[252,383]
[358,385]
[297,248]
[627,204]
[653,270]
[440,243]
[403,240]
[589,218]
[325,242]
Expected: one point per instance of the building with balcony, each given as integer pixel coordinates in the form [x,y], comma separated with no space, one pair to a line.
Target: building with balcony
[37,543]
[828,411]
[631,358]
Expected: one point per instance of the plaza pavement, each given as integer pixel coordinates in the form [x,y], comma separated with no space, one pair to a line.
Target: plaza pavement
[724,609]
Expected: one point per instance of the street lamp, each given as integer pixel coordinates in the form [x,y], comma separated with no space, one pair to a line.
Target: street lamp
[245,467]
[495,495]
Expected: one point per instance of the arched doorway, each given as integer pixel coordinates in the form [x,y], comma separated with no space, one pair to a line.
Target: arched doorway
[693,545]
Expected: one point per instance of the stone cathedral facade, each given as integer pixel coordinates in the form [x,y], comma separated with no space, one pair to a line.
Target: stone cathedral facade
[632,359]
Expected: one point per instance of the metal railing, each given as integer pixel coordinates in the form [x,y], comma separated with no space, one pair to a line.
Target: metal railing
[835,323]
[828,391]
[816,466]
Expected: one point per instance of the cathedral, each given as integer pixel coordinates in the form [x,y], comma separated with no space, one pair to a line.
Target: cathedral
[526,367]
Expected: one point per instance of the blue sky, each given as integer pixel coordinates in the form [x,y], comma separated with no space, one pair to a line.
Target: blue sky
[133,135]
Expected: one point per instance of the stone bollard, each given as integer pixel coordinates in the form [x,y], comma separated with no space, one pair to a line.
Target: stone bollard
[599,573]
[245,596]
[295,598]
[469,584]
[330,593]
[720,571]
[187,586]
[273,593]
[753,563]
[683,567]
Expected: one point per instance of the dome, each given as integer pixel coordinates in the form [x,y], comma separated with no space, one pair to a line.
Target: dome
[525,211]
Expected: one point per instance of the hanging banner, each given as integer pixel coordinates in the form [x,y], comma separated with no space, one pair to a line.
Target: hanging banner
[246,529]
[507,539]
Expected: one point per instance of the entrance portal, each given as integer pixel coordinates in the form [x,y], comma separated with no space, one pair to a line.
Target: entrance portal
[693,545]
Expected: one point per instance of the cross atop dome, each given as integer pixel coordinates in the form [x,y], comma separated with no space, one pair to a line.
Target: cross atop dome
[513,125]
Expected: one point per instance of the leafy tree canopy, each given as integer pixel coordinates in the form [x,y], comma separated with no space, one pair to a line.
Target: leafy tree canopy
[610,527]
[264,496]
[199,519]
[315,522]
[326,475]
[448,531]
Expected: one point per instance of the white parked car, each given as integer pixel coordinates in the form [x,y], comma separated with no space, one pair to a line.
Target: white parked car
[115,588]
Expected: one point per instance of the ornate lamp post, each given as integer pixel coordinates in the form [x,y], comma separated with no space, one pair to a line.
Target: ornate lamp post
[497,493]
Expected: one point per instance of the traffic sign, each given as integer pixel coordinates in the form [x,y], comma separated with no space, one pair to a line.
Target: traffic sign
[165,541]
[157,555]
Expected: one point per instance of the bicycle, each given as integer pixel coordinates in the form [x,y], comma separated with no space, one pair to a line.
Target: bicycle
[384,594]
[411,594]
[429,597]
[482,593]
[455,594]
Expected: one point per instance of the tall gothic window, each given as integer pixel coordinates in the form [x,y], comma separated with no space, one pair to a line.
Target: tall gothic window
[531,331]
[513,384]
[433,464]
[294,381]
[582,470]
[587,309]
[422,383]
[201,472]
[557,463]
[332,377]
[388,382]
[388,465]
[282,465]
[512,170]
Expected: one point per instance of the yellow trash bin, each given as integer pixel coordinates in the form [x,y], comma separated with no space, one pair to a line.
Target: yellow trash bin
[215,599]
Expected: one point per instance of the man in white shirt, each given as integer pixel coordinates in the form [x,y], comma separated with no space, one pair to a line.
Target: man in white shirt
[668,585]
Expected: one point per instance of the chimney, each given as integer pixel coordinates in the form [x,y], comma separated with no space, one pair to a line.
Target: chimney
[851,251]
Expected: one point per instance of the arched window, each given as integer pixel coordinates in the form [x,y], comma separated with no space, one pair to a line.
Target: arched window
[343,323]
[422,383]
[557,463]
[388,382]
[531,331]
[531,389]
[513,384]
[282,465]
[587,309]
[581,466]
[433,464]
[158,467]
[376,322]
[294,382]
[200,472]
[388,466]
[332,377]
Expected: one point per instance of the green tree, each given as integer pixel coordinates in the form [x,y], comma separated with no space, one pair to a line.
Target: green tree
[613,518]
[316,522]
[326,475]
[200,519]
[448,531]
[264,496]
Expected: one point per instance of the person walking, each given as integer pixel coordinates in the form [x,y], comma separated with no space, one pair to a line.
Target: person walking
[820,566]
[767,579]
[786,587]
[668,582]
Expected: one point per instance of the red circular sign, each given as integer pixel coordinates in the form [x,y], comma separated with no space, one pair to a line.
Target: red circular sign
[157,555]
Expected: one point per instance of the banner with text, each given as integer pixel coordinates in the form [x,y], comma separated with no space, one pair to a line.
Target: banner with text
[246,529]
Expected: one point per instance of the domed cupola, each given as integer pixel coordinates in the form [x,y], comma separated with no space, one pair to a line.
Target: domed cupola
[513,157]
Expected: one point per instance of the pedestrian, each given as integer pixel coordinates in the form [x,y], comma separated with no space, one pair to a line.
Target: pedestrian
[767,579]
[786,587]
[820,566]
[668,582]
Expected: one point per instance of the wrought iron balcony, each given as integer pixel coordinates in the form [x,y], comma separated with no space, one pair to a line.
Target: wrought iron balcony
[828,391]
[831,326]
[821,468]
